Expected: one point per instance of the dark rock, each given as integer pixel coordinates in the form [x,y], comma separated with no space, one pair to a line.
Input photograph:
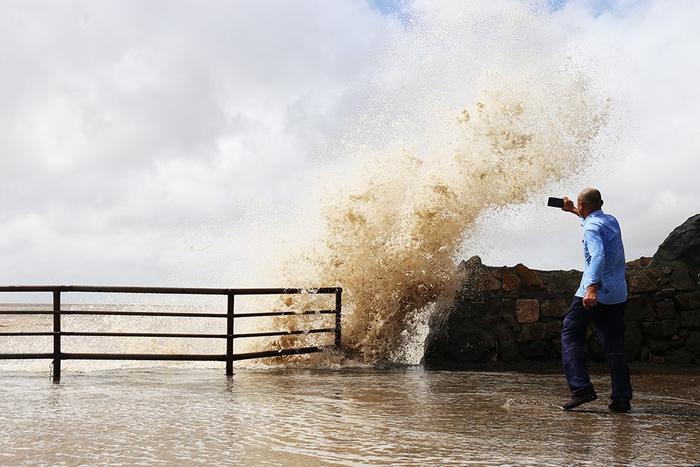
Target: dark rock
[463,335]
[656,359]
[537,350]
[531,332]
[665,310]
[690,319]
[555,308]
[510,281]
[664,328]
[527,310]
[511,314]
[633,342]
[639,308]
[556,345]
[642,282]
[658,346]
[688,301]
[471,265]
[682,245]
[508,306]
[486,282]
[507,347]
[551,330]
[512,322]
[692,343]
[679,356]
[639,263]
[528,277]
[471,345]
[680,278]
[558,283]
[664,294]
[539,331]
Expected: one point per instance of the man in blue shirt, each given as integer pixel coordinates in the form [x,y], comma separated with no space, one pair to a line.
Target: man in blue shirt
[600,299]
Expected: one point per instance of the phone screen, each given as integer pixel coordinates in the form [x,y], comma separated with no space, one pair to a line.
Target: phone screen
[556,202]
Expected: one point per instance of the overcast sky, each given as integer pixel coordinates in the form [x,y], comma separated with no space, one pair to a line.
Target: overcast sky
[172,142]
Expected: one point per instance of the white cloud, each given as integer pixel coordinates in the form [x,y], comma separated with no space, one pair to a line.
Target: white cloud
[129,125]
[169,142]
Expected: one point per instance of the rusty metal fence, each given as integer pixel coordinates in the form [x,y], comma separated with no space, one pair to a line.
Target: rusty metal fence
[230,316]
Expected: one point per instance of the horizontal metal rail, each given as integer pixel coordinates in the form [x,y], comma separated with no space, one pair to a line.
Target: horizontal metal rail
[162,334]
[169,290]
[57,312]
[166,313]
[161,357]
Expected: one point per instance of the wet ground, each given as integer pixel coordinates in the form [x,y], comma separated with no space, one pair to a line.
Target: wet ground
[402,416]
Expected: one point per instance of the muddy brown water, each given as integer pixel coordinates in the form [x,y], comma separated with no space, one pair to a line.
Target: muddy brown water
[351,416]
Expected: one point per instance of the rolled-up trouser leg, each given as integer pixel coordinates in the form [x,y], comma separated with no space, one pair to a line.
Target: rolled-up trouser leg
[573,347]
[610,327]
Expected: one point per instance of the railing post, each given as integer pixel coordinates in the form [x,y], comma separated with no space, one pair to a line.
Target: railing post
[229,334]
[56,336]
[338,296]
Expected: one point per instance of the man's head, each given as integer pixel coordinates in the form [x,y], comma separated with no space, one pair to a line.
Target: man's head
[589,200]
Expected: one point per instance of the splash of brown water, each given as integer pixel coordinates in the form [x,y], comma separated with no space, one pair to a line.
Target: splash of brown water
[392,240]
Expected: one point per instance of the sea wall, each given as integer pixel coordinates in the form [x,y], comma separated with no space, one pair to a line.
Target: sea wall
[514,314]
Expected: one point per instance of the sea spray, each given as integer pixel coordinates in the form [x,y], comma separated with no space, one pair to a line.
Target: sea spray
[473,107]
[392,238]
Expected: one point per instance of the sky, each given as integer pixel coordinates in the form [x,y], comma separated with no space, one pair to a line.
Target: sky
[174,142]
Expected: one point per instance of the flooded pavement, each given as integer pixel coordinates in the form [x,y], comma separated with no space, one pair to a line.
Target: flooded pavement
[402,416]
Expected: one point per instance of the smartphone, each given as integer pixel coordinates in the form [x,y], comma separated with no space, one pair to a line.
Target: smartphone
[555,202]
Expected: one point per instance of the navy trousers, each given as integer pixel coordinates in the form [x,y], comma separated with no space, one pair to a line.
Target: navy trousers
[610,327]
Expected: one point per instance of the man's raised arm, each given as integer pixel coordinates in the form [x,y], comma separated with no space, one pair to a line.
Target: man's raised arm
[570,207]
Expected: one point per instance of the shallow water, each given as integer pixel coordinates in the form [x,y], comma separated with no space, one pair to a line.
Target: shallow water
[408,416]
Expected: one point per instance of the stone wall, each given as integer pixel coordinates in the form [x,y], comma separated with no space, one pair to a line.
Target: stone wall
[514,314]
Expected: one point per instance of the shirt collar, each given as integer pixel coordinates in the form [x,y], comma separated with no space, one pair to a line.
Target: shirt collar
[596,213]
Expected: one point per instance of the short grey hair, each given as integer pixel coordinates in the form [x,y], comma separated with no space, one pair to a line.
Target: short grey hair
[591,197]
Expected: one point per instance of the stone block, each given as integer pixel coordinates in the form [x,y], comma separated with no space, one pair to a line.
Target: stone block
[486,282]
[658,346]
[663,328]
[664,294]
[537,350]
[507,347]
[512,322]
[639,308]
[656,360]
[551,330]
[531,332]
[679,356]
[665,310]
[688,301]
[692,343]
[510,281]
[633,342]
[680,278]
[472,345]
[690,319]
[527,310]
[641,282]
[528,277]
[555,307]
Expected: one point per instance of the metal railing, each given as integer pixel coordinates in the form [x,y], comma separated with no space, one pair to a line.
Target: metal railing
[229,357]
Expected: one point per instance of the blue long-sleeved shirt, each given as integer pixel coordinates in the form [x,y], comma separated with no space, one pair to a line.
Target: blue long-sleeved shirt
[605,258]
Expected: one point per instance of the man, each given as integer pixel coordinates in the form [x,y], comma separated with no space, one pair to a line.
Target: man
[600,299]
